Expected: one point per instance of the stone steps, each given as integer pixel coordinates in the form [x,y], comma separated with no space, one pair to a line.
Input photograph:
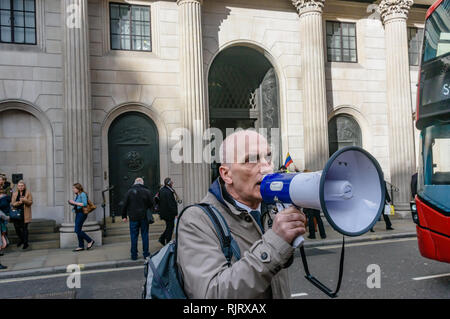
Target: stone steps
[39,231]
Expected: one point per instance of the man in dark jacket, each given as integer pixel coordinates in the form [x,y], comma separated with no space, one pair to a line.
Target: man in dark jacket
[168,210]
[137,201]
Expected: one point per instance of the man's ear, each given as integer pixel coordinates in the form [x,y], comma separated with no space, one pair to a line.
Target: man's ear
[225,174]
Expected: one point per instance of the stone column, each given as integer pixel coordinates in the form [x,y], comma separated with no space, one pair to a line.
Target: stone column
[401,143]
[195,172]
[315,123]
[77,117]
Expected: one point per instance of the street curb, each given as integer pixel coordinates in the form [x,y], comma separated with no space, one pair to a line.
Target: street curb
[63,269]
[130,263]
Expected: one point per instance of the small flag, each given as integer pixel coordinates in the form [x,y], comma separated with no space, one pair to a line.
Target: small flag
[288,161]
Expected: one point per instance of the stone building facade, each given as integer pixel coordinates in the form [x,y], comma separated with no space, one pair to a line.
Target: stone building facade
[94,92]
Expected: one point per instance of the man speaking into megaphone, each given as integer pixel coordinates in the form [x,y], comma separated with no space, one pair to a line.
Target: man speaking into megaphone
[261,241]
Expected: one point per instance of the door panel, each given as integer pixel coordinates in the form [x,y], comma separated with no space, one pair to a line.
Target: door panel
[133,152]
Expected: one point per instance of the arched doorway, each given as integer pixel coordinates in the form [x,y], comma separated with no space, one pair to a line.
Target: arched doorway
[133,151]
[23,150]
[343,130]
[243,93]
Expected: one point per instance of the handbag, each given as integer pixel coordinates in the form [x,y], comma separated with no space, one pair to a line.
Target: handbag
[389,210]
[89,208]
[16,214]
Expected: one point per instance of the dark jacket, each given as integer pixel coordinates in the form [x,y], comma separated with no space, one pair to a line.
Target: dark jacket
[414,185]
[386,196]
[167,204]
[5,204]
[137,200]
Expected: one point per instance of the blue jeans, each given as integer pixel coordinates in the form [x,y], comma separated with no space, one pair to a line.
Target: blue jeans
[80,218]
[134,234]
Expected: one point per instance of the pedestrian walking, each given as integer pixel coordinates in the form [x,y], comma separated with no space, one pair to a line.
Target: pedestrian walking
[168,209]
[5,202]
[80,201]
[312,214]
[387,201]
[138,201]
[264,242]
[5,207]
[21,202]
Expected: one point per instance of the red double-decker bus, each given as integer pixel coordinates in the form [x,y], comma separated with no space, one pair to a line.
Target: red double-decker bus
[432,211]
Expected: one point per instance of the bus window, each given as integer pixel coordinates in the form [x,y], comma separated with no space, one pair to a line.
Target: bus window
[434,181]
[437,33]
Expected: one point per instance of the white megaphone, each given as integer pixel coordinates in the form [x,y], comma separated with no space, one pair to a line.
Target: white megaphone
[350,192]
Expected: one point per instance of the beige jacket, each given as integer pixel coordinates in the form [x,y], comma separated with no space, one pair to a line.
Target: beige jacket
[258,274]
[28,201]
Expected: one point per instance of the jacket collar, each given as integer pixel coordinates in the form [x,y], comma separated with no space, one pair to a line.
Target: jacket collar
[219,191]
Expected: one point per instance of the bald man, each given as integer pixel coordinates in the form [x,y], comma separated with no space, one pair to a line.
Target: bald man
[266,251]
[137,201]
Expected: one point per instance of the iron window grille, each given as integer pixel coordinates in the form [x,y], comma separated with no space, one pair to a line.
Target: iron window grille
[18,21]
[341,42]
[129,27]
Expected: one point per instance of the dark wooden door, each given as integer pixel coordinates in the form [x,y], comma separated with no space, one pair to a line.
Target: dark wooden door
[133,152]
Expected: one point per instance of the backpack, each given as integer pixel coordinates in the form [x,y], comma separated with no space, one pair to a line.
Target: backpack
[162,276]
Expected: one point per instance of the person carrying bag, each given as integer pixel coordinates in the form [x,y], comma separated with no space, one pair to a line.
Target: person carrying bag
[20,213]
[81,209]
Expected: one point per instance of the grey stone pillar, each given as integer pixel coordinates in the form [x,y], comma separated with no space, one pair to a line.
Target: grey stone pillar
[77,117]
[401,142]
[315,124]
[195,172]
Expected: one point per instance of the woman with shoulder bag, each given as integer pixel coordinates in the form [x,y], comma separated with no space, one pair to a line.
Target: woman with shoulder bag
[80,201]
[21,209]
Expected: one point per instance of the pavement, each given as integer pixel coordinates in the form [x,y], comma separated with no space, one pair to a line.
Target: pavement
[117,255]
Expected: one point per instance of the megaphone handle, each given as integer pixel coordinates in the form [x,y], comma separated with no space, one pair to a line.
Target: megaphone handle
[297,241]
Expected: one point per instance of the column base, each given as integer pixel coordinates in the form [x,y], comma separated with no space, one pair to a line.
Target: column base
[68,238]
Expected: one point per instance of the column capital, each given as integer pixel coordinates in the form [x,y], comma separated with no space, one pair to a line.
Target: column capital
[180,2]
[304,6]
[391,9]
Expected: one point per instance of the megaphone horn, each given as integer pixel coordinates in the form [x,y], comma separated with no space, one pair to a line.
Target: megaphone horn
[349,190]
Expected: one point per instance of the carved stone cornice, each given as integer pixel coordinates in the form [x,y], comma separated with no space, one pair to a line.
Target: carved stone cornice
[394,9]
[303,6]
[180,2]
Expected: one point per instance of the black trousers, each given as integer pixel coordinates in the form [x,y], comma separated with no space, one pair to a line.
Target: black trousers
[166,236]
[21,231]
[312,232]
[387,220]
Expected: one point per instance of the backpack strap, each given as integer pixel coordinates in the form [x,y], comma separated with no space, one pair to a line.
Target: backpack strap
[228,244]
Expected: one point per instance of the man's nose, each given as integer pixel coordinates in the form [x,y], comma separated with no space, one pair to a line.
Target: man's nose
[266,167]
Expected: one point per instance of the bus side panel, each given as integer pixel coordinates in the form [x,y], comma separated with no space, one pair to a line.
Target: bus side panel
[442,247]
[432,245]
[426,244]
[433,220]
